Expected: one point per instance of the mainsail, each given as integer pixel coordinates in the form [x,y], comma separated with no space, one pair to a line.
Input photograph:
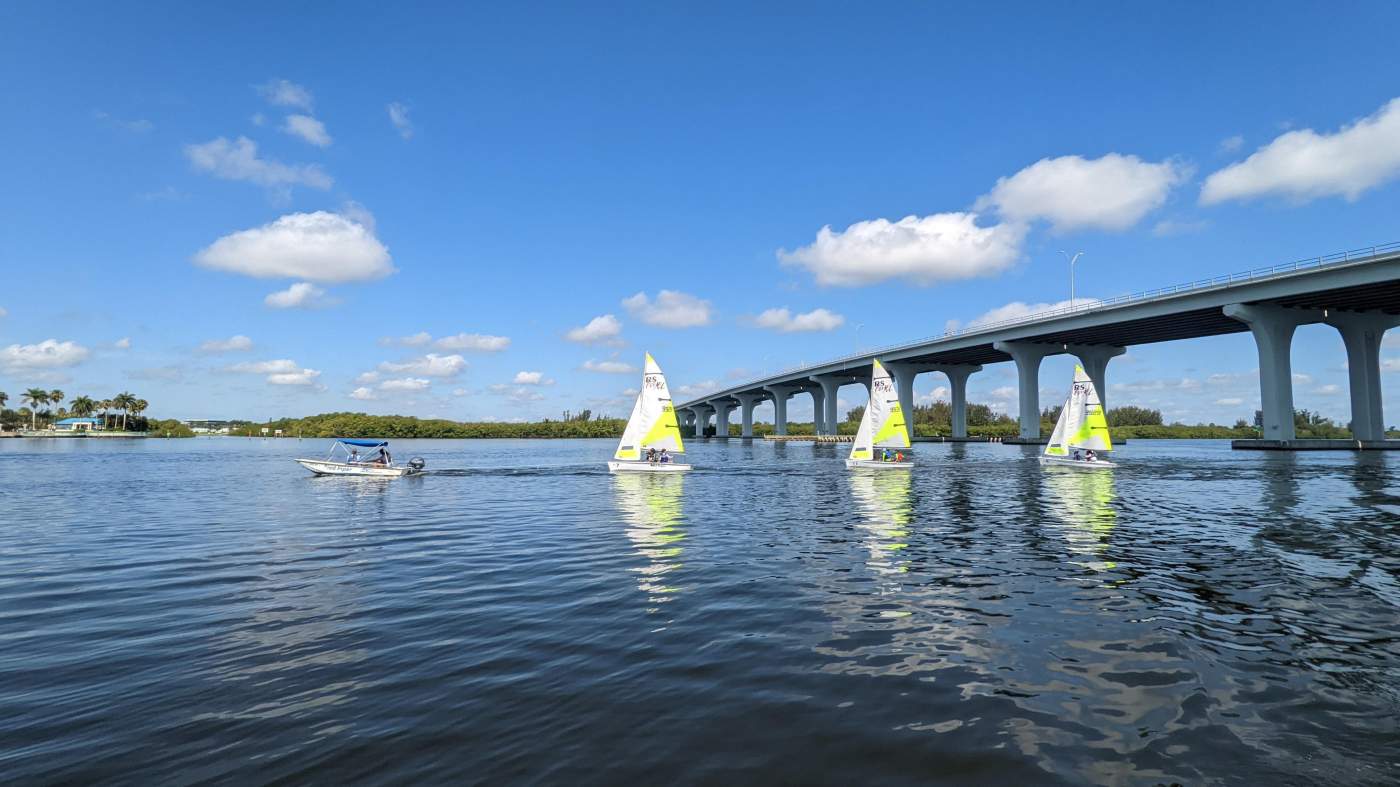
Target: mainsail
[653,421]
[883,423]
[1082,423]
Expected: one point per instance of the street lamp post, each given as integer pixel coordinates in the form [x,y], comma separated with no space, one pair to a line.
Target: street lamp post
[1072,260]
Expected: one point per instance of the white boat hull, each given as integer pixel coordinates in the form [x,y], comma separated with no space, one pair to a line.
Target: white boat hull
[624,466]
[1078,464]
[323,467]
[876,464]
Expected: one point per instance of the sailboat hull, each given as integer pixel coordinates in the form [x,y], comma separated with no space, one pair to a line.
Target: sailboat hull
[624,466]
[875,464]
[1077,464]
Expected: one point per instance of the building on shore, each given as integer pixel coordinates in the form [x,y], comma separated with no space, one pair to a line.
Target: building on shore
[78,425]
[212,426]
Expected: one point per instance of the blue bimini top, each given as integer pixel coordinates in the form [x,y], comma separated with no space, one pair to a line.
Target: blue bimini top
[364,443]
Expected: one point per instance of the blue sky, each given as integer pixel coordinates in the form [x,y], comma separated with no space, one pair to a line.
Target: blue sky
[270,210]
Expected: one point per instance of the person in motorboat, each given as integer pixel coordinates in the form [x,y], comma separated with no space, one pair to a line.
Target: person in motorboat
[354,456]
[383,457]
[665,458]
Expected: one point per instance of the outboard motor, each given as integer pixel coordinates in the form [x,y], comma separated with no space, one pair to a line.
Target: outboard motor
[417,464]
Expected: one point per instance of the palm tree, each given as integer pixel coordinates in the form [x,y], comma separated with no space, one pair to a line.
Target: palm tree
[138,407]
[105,404]
[35,398]
[82,406]
[56,397]
[123,402]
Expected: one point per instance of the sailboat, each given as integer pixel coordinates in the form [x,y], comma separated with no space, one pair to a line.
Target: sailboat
[1082,427]
[652,425]
[882,426]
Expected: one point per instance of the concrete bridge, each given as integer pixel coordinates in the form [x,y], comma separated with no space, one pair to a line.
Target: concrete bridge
[1356,292]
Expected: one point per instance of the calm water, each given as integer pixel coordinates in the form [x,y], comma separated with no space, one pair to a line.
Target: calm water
[204,610]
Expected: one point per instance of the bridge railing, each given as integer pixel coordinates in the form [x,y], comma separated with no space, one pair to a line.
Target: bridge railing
[1096,304]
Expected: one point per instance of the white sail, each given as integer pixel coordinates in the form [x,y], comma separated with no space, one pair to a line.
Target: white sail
[1082,423]
[653,422]
[882,426]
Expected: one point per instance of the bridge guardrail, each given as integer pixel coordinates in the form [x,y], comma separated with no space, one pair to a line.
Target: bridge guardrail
[1225,280]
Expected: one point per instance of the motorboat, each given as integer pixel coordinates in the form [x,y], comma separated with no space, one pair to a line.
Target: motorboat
[345,459]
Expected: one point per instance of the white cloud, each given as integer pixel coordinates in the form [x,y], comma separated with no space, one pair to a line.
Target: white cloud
[1018,309]
[1231,144]
[405,384]
[4,312]
[238,160]
[531,378]
[604,328]
[1301,378]
[1232,401]
[363,394]
[609,367]
[236,343]
[518,393]
[924,250]
[1071,192]
[123,343]
[398,115]
[302,295]
[1329,389]
[283,93]
[938,394]
[298,377]
[785,321]
[48,354]
[367,377]
[430,365]
[1304,165]
[319,247]
[138,126]
[671,309]
[1168,227]
[688,391]
[478,342]
[279,366]
[460,392]
[416,340]
[1004,392]
[280,371]
[308,128]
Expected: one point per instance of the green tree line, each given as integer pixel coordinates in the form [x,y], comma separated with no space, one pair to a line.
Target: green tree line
[40,408]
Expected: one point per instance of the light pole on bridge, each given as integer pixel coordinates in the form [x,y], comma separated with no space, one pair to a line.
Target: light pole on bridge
[1072,260]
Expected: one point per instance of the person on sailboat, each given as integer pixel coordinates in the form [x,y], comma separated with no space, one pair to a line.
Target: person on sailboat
[651,455]
[665,458]
[1090,456]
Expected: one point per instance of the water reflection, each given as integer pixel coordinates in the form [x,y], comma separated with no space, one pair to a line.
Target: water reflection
[1080,505]
[651,505]
[883,500]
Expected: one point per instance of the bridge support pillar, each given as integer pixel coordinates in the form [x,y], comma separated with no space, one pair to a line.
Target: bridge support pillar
[1028,356]
[722,409]
[1273,328]
[746,404]
[780,394]
[904,374]
[818,410]
[830,390]
[1095,358]
[1362,333]
[957,386]
[702,419]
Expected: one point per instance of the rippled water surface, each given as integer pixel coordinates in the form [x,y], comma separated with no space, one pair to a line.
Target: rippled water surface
[175,611]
